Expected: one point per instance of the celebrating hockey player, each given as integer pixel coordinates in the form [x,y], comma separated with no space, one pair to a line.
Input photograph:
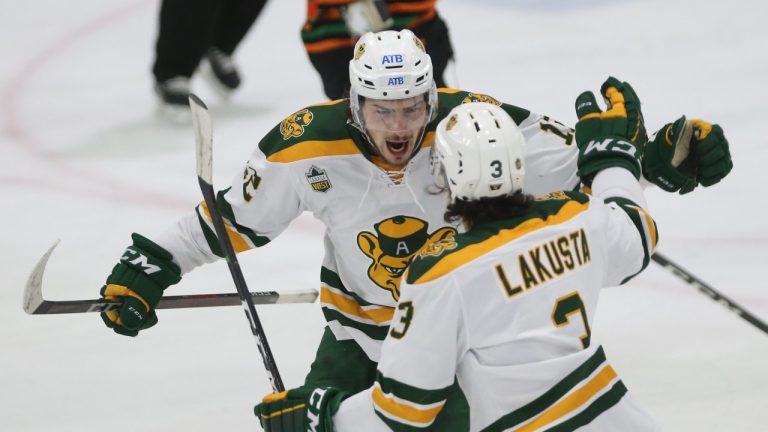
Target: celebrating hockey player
[361,166]
[506,306]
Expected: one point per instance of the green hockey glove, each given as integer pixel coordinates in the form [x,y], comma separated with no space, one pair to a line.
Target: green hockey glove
[145,270]
[612,138]
[300,409]
[686,153]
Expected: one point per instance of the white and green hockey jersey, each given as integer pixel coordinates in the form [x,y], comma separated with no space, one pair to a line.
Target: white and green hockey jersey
[376,218]
[506,308]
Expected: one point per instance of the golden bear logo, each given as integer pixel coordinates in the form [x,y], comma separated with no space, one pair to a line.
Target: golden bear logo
[559,195]
[396,241]
[419,44]
[438,247]
[451,122]
[293,125]
[477,97]
[360,51]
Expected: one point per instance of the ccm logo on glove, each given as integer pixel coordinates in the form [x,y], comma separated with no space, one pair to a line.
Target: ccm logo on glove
[140,260]
[611,144]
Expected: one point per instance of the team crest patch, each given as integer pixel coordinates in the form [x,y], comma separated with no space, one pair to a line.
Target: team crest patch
[393,244]
[418,43]
[477,97]
[451,122]
[438,247]
[360,51]
[293,125]
[552,196]
[318,179]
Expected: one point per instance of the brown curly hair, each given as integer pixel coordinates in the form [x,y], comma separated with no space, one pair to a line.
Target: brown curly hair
[482,210]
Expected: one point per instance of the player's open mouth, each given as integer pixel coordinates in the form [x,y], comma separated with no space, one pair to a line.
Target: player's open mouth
[397,147]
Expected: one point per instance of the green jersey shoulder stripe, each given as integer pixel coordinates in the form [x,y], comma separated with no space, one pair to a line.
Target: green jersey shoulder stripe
[451,98]
[314,131]
[433,262]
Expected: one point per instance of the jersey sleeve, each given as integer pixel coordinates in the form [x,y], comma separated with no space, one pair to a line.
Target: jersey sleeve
[550,155]
[257,207]
[418,361]
[629,232]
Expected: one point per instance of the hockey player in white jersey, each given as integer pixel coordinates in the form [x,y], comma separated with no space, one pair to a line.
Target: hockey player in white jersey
[361,166]
[507,305]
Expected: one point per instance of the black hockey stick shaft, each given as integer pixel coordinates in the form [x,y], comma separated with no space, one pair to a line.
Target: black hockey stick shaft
[203,135]
[47,307]
[709,291]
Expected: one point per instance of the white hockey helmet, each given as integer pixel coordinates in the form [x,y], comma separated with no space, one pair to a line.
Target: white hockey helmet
[390,65]
[479,152]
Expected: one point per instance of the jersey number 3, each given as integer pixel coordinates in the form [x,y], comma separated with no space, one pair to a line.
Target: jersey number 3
[567,306]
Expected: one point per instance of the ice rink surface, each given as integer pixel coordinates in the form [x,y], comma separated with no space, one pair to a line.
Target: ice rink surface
[83,158]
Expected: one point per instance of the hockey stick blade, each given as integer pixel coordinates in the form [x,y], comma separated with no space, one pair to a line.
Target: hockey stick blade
[35,304]
[201,122]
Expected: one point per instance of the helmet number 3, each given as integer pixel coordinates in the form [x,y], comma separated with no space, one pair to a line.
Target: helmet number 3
[496,169]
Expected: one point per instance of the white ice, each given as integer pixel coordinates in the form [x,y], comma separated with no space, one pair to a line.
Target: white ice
[85,159]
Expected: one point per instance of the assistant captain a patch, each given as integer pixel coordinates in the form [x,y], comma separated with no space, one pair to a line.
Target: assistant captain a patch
[318,179]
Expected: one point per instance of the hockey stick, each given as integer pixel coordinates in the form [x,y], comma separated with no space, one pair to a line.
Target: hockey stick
[201,121]
[708,290]
[35,304]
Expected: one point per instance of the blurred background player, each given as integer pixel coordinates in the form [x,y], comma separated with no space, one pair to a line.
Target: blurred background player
[333,27]
[196,33]
[507,306]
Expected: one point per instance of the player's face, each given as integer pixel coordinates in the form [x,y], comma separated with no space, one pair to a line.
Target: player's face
[394,126]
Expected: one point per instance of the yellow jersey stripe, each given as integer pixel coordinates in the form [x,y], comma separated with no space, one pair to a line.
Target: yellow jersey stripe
[408,413]
[573,401]
[429,138]
[239,242]
[313,149]
[456,259]
[329,103]
[348,306]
